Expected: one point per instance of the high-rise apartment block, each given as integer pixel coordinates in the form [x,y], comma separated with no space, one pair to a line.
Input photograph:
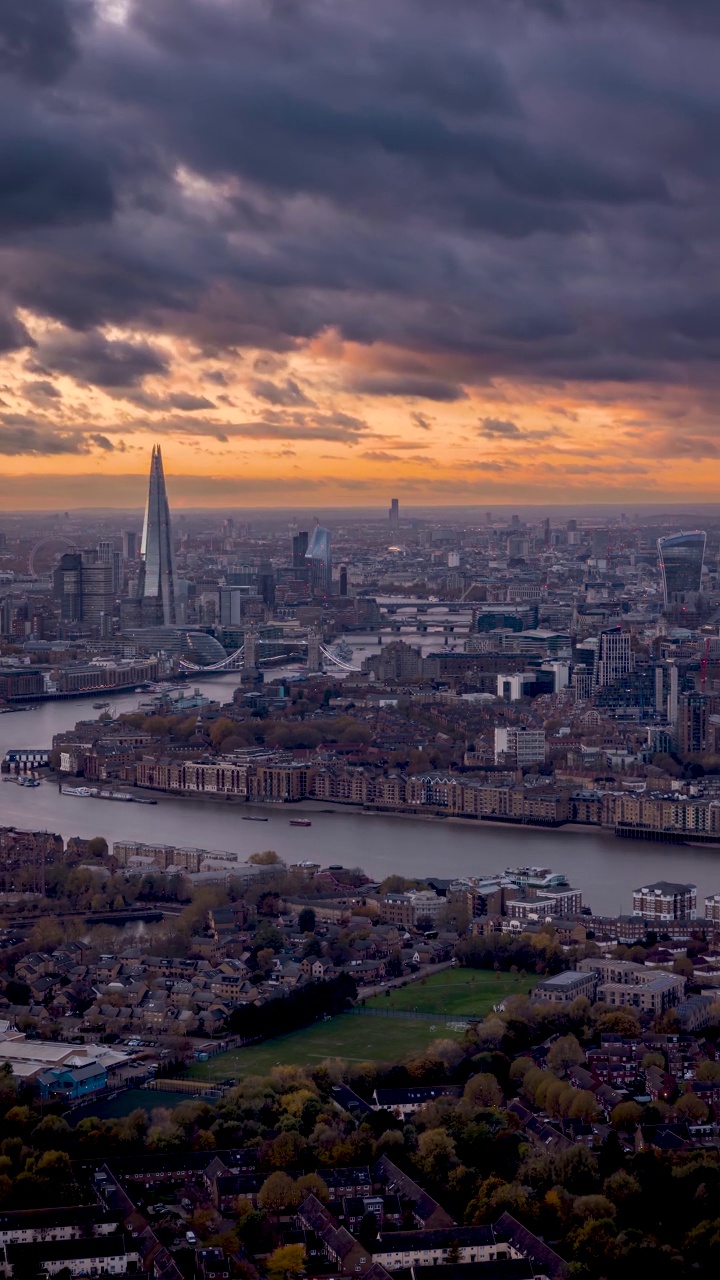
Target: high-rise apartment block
[614,657]
[692,723]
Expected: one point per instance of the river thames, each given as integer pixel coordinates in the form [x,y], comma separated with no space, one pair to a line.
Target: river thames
[604,868]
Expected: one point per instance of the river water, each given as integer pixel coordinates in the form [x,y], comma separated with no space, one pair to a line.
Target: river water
[605,868]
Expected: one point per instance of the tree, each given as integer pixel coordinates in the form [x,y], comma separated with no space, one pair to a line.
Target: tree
[307,920]
[564,1053]
[692,1108]
[436,1152]
[286,1262]
[584,1106]
[269,858]
[620,1021]
[626,1116]
[483,1091]
[708,1071]
[594,1207]
[653,1060]
[277,1192]
[264,959]
[311,1184]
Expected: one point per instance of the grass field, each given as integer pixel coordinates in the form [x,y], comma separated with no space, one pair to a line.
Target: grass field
[356,1039]
[454,991]
[124,1103]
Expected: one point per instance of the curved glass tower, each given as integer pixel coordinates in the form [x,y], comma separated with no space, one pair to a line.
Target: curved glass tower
[681,557]
[319,559]
[156,587]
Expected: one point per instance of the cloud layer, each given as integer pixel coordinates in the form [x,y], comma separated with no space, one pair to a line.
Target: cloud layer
[477,227]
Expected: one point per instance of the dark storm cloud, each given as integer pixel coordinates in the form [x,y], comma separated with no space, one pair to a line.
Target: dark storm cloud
[95,359]
[498,427]
[13,334]
[31,441]
[49,182]
[286,393]
[37,37]
[524,189]
[421,388]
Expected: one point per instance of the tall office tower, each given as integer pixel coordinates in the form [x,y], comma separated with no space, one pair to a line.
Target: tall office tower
[83,586]
[614,658]
[343,580]
[681,557]
[156,586]
[299,549]
[319,561]
[107,554]
[546,532]
[394,513]
[98,597]
[67,586]
[129,544]
[692,723]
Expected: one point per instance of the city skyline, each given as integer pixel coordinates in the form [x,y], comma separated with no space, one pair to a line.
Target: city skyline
[478,267]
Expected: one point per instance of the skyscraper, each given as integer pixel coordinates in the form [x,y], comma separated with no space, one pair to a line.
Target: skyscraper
[129,544]
[319,560]
[394,513]
[83,586]
[614,658]
[156,586]
[299,549]
[681,557]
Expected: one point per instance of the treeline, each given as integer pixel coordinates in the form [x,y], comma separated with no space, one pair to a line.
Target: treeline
[298,1008]
[539,954]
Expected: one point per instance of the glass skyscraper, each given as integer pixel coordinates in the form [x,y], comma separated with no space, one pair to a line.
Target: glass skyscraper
[156,587]
[681,557]
[319,560]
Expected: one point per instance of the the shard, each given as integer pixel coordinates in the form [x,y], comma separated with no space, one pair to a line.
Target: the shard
[156,587]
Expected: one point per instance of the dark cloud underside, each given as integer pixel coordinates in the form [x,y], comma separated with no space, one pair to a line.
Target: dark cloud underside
[521,188]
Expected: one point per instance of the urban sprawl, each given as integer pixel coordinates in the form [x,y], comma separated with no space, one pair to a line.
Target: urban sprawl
[215,1068]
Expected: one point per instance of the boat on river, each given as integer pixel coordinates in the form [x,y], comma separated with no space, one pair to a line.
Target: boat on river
[300,822]
[253,817]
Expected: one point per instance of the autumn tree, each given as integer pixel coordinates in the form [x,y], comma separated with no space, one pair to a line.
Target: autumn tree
[286,1262]
[311,1184]
[564,1053]
[277,1192]
[483,1090]
[626,1116]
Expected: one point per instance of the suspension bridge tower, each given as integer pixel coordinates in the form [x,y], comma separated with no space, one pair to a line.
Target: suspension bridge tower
[314,660]
[250,643]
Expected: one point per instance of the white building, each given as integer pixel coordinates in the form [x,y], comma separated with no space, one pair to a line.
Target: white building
[519,746]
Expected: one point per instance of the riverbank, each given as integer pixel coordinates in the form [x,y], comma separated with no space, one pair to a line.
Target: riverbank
[606,868]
